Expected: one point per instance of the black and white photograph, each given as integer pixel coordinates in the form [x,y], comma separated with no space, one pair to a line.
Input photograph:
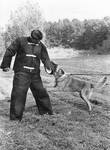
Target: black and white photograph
[55,75]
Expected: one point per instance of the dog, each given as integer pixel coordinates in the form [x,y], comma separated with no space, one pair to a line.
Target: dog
[68,83]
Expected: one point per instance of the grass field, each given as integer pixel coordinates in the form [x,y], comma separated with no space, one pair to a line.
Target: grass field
[72,127]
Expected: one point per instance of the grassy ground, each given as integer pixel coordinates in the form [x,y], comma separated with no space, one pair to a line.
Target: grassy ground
[72,127]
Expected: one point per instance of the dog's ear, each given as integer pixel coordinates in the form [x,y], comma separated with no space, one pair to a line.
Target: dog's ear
[61,71]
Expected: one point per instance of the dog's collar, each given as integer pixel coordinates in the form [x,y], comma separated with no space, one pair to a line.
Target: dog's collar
[63,77]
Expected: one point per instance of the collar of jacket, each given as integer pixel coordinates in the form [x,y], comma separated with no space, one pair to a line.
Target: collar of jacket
[31,43]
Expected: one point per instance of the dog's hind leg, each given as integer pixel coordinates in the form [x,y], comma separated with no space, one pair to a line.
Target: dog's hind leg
[90,93]
[85,95]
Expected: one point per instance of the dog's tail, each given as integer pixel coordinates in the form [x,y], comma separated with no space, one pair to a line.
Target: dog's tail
[101,83]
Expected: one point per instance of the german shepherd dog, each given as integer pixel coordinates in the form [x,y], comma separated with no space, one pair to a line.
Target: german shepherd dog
[68,83]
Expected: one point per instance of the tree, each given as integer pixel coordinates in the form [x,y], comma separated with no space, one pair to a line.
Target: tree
[26,18]
[82,35]
[105,46]
[53,34]
[2,44]
[62,33]
[96,31]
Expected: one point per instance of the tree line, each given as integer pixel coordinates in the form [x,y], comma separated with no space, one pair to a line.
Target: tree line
[81,35]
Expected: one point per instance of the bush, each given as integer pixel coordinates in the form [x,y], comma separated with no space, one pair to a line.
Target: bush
[105,48]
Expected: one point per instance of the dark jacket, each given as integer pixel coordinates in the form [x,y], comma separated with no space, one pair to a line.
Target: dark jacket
[27,54]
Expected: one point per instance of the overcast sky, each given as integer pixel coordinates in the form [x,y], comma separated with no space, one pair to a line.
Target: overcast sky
[60,9]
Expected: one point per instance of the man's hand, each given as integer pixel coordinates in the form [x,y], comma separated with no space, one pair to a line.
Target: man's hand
[5,69]
[51,68]
[48,70]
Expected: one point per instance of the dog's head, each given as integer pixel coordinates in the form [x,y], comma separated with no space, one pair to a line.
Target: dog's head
[58,72]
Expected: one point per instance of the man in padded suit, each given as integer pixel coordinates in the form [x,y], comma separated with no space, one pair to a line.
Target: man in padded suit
[29,51]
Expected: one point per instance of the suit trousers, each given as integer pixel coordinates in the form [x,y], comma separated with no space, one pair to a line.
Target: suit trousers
[22,81]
